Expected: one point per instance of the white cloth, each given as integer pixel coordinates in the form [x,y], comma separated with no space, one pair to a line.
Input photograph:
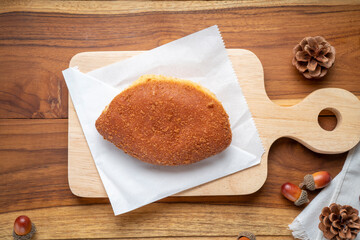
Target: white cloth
[344,189]
[200,57]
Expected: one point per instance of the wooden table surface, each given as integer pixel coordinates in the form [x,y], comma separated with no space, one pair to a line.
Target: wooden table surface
[37,40]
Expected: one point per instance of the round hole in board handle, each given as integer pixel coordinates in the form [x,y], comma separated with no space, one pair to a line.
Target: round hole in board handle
[334,116]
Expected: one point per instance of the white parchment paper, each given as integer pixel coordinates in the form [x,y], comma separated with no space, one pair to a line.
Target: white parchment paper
[200,57]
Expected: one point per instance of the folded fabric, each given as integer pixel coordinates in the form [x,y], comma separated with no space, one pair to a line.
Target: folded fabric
[344,189]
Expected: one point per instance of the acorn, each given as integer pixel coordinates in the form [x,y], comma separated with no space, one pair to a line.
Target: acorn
[246,236]
[294,194]
[316,180]
[24,229]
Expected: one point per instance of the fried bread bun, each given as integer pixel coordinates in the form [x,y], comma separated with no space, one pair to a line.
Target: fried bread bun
[166,121]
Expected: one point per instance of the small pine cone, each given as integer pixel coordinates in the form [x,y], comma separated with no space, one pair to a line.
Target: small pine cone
[313,56]
[339,222]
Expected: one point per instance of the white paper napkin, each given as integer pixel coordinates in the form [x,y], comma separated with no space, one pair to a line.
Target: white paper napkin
[344,189]
[200,57]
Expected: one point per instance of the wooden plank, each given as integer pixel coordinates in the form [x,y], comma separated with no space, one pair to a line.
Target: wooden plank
[159,220]
[125,7]
[51,39]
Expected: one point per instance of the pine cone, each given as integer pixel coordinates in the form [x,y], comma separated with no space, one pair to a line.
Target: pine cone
[339,222]
[313,57]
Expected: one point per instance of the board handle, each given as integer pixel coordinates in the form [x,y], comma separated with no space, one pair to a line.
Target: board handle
[345,106]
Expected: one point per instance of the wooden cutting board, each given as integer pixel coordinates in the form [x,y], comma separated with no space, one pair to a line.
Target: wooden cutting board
[299,122]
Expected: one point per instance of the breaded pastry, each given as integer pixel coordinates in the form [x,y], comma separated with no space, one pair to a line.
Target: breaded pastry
[166,121]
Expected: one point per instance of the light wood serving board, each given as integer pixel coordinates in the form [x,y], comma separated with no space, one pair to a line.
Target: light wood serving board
[299,122]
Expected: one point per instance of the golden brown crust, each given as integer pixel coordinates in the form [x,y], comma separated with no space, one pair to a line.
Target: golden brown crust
[166,121]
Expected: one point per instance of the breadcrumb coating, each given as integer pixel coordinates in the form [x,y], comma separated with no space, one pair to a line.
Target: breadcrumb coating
[166,121]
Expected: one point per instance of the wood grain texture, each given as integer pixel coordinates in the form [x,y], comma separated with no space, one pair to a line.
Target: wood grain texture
[51,39]
[138,6]
[33,164]
[38,40]
[156,220]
